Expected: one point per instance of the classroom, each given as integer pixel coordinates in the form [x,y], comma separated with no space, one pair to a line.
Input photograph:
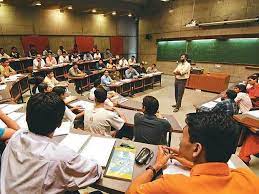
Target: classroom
[129,96]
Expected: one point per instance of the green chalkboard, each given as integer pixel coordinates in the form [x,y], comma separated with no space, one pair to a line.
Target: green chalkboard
[234,51]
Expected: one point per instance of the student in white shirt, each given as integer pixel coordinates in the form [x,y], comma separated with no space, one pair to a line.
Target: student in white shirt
[61,50]
[100,120]
[33,163]
[64,58]
[123,62]
[38,62]
[50,79]
[132,60]
[75,57]
[97,55]
[50,60]
[88,57]
[243,100]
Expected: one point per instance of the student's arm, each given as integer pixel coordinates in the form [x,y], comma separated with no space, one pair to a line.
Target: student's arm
[8,121]
[140,182]
[6,133]
[136,73]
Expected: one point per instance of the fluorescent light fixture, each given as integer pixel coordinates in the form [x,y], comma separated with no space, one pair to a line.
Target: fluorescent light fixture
[130,15]
[114,13]
[37,3]
[165,0]
[70,7]
[93,10]
[230,22]
[1,0]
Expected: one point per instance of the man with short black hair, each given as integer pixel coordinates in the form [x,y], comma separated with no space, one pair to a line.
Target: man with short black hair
[5,69]
[182,74]
[132,60]
[131,73]
[50,79]
[14,53]
[209,139]
[151,127]
[100,65]
[33,163]
[228,106]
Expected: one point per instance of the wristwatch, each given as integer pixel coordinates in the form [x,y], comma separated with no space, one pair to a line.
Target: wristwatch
[153,170]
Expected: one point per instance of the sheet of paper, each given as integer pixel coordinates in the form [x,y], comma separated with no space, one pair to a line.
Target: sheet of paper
[70,115]
[3,105]
[210,105]
[16,115]
[83,104]
[11,78]
[217,100]
[2,87]
[11,108]
[175,167]
[74,141]
[254,113]
[99,149]
[64,129]
[22,122]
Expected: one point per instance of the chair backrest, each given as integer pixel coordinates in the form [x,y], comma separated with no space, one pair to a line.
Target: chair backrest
[15,91]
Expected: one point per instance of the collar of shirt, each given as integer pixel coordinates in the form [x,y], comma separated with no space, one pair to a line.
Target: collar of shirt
[211,168]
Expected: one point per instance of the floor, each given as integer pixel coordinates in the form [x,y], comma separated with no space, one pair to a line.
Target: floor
[165,95]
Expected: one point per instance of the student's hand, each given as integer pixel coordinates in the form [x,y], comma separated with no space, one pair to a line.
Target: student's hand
[161,159]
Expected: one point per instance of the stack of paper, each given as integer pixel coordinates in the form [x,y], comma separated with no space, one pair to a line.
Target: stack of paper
[254,113]
[74,141]
[210,105]
[64,129]
[99,149]
[11,108]
[84,104]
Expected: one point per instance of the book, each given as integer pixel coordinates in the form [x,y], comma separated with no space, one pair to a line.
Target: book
[121,165]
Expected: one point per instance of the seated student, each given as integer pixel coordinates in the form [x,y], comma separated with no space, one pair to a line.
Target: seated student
[150,127]
[131,73]
[141,69]
[46,51]
[123,62]
[97,84]
[75,71]
[110,64]
[75,57]
[106,80]
[100,65]
[100,120]
[253,91]
[34,163]
[14,53]
[107,54]
[37,81]
[115,74]
[64,58]
[5,69]
[32,51]
[38,62]
[208,141]
[88,57]
[228,105]
[3,54]
[43,88]
[132,60]
[97,55]
[50,79]
[152,69]
[61,91]
[50,60]
[243,100]
[61,50]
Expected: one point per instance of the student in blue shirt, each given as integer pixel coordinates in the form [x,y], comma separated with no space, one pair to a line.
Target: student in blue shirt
[131,73]
[106,80]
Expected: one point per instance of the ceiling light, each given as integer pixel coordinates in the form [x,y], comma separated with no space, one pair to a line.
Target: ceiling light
[130,15]
[165,0]
[1,0]
[171,10]
[114,13]
[94,10]
[70,7]
[37,3]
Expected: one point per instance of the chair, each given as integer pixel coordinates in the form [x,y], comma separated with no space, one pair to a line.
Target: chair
[15,91]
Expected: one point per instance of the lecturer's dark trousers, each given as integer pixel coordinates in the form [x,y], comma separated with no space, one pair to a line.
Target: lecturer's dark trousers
[179,91]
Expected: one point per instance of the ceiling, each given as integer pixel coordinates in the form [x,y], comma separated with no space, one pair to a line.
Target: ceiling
[137,7]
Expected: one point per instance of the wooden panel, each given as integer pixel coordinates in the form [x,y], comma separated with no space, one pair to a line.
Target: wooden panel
[102,43]
[130,46]
[66,41]
[8,41]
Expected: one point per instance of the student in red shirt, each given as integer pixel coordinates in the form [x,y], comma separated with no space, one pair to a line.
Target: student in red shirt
[253,91]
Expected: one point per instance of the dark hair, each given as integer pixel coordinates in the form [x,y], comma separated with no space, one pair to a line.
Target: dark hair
[44,113]
[64,52]
[241,87]
[154,64]
[133,56]
[101,60]
[97,83]
[253,77]
[100,95]
[185,54]
[4,60]
[49,71]
[37,80]
[231,94]
[61,47]
[150,104]
[216,132]
[59,90]
[42,87]
[105,71]
[13,47]
[74,63]
[1,48]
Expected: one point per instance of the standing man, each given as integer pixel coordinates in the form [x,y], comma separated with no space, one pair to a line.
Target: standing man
[182,73]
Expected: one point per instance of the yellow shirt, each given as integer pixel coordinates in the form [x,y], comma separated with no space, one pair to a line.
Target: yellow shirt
[51,82]
[207,178]
[6,71]
[184,69]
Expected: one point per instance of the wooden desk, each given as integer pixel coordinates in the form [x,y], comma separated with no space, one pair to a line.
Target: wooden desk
[249,121]
[115,186]
[131,105]
[20,65]
[211,82]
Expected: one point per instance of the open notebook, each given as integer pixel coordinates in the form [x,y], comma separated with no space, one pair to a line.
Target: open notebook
[90,147]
